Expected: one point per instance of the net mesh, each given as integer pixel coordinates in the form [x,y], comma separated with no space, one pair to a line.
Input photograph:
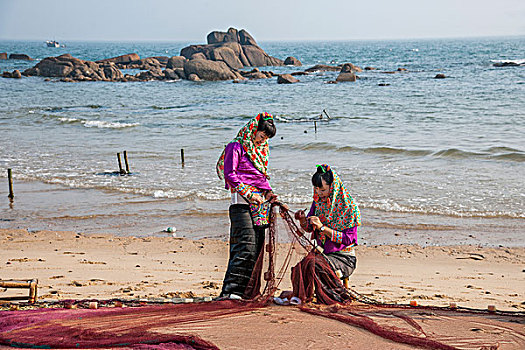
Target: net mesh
[139,327]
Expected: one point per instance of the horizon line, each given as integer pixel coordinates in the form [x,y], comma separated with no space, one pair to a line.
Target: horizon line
[271,40]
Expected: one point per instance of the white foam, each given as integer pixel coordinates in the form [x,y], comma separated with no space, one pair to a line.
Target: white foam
[519,62]
[109,125]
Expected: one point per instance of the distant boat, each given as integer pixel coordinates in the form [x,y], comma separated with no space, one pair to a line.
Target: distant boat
[52,43]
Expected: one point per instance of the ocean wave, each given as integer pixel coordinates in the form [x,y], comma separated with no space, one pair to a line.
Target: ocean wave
[493,153]
[456,153]
[93,123]
[392,150]
[496,153]
[107,125]
[296,201]
[513,156]
[169,107]
[392,206]
[501,149]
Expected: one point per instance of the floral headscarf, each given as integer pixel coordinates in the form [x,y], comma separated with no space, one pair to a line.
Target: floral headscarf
[338,211]
[258,155]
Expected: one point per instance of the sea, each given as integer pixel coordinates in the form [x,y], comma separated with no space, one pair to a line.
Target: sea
[430,161]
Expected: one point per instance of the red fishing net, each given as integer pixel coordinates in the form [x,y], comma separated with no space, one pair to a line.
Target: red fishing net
[173,326]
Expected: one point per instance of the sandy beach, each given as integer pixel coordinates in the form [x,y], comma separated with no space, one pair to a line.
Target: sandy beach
[70,265]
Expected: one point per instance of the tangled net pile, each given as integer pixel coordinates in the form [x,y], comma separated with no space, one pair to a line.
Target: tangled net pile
[135,327]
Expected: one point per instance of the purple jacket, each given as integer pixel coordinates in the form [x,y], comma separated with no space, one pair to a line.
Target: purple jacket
[349,236]
[238,169]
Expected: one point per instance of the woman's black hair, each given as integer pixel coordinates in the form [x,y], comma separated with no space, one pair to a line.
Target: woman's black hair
[267,126]
[320,175]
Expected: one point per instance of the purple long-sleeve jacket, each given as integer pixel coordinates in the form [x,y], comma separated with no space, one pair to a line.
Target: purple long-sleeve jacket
[238,169]
[349,237]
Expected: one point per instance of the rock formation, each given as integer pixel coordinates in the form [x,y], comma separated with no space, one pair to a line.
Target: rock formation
[292,61]
[67,66]
[210,70]
[20,56]
[286,79]
[347,73]
[237,49]
[124,59]
[15,74]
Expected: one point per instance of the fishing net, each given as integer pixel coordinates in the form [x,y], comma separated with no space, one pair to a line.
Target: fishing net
[174,326]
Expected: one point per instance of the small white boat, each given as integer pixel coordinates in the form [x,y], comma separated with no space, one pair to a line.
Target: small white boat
[52,43]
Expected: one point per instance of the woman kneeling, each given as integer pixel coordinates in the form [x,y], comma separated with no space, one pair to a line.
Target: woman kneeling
[334,218]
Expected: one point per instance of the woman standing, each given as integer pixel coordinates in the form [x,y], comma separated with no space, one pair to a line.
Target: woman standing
[243,166]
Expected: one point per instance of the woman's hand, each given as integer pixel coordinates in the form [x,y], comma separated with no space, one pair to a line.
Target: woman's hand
[270,196]
[300,215]
[257,199]
[314,220]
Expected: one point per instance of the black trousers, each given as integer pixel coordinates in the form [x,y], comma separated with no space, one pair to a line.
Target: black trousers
[343,262]
[246,242]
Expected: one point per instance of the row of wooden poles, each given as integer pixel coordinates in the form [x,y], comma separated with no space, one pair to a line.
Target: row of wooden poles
[122,171]
[125,172]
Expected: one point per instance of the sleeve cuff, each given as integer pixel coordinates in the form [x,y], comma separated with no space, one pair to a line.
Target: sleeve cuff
[243,190]
[337,237]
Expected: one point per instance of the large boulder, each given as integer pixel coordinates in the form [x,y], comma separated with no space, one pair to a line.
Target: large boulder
[3,55]
[67,66]
[232,35]
[346,77]
[15,74]
[237,49]
[256,74]
[246,39]
[286,79]
[257,57]
[228,56]
[171,74]
[125,59]
[350,68]
[163,60]
[210,70]
[153,74]
[292,61]
[176,62]
[20,56]
[323,68]
[111,72]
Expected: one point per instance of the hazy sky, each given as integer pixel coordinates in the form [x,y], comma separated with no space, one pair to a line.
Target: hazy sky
[192,20]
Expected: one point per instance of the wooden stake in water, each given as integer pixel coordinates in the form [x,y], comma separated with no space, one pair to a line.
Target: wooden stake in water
[126,161]
[122,172]
[182,156]
[10,180]
[315,126]
[326,113]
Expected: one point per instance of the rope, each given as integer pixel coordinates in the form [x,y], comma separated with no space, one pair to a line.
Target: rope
[299,236]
